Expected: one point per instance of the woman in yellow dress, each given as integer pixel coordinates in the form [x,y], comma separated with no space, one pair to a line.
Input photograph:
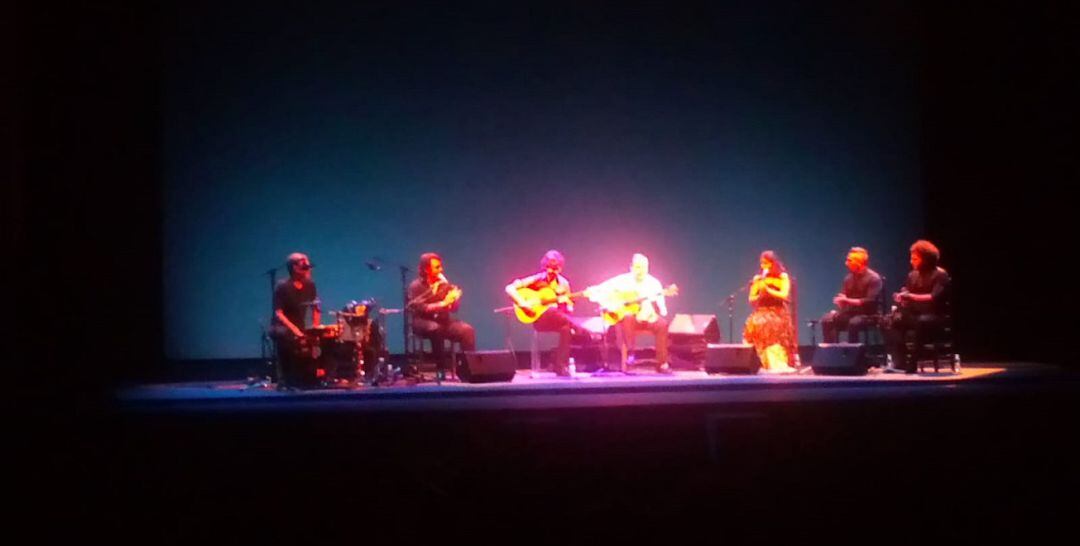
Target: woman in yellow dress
[769,328]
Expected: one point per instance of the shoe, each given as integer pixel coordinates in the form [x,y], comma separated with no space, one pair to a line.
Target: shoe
[664,368]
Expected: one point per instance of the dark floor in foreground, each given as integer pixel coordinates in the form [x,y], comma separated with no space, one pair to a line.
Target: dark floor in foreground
[946,463]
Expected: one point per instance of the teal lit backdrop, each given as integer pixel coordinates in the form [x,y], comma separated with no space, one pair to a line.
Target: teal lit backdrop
[697,135]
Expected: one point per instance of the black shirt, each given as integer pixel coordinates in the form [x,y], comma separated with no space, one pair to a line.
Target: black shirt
[421,296]
[294,303]
[538,281]
[865,287]
[935,283]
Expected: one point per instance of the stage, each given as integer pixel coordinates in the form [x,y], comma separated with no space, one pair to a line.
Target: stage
[529,391]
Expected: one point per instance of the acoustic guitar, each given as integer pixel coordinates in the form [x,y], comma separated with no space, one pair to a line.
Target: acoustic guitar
[616,307]
[538,302]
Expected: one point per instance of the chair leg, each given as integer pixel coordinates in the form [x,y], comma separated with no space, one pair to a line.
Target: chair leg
[438,365]
[455,350]
[534,356]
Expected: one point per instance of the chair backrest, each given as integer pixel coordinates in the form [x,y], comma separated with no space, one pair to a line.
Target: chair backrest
[794,359]
[793,296]
[947,301]
[883,298]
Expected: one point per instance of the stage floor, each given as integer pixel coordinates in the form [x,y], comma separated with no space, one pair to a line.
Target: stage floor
[547,390]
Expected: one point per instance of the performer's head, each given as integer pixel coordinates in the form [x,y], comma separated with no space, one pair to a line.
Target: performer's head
[771,263]
[924,256]
[639,266]
[552,262]
[430,266]
[857,259]
[299,267]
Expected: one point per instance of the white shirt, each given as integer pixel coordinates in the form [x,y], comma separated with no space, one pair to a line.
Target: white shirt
[624,288]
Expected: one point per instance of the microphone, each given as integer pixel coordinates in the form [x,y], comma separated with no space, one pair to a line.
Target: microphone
[373,266]
[442,278]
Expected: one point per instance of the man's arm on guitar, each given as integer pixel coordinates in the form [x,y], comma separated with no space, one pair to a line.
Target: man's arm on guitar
[661,297]
[564,296]
[512,291]
[601,294]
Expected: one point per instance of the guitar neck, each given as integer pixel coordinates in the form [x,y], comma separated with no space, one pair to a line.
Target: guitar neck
[572,295]
[662,294]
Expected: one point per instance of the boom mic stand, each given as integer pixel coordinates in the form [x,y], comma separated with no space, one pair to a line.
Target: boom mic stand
[268,352]
[406,314]
[730,301]
[375,264]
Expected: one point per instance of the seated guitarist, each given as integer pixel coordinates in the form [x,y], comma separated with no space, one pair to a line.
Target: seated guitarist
[432,299]
[631,287]
[556,318]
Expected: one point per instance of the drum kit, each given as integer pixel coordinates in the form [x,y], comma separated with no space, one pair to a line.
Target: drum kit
[352,350]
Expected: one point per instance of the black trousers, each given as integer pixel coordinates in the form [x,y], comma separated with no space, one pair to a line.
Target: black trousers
[298,360]
[923,326]
[438,331]
[555,320]
[836,321]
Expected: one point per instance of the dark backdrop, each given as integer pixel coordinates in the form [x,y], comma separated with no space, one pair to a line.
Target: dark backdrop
[996,85]
[86,211]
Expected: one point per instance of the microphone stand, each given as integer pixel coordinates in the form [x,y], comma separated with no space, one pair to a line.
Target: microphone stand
[406,314]
[731,317]
[730,301]
[375,264]
[507,338]
[268,348]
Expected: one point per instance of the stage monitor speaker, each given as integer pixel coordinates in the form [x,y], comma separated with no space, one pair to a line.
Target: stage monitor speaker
[487,367]
[840,359]
[731,358]
[695,325]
